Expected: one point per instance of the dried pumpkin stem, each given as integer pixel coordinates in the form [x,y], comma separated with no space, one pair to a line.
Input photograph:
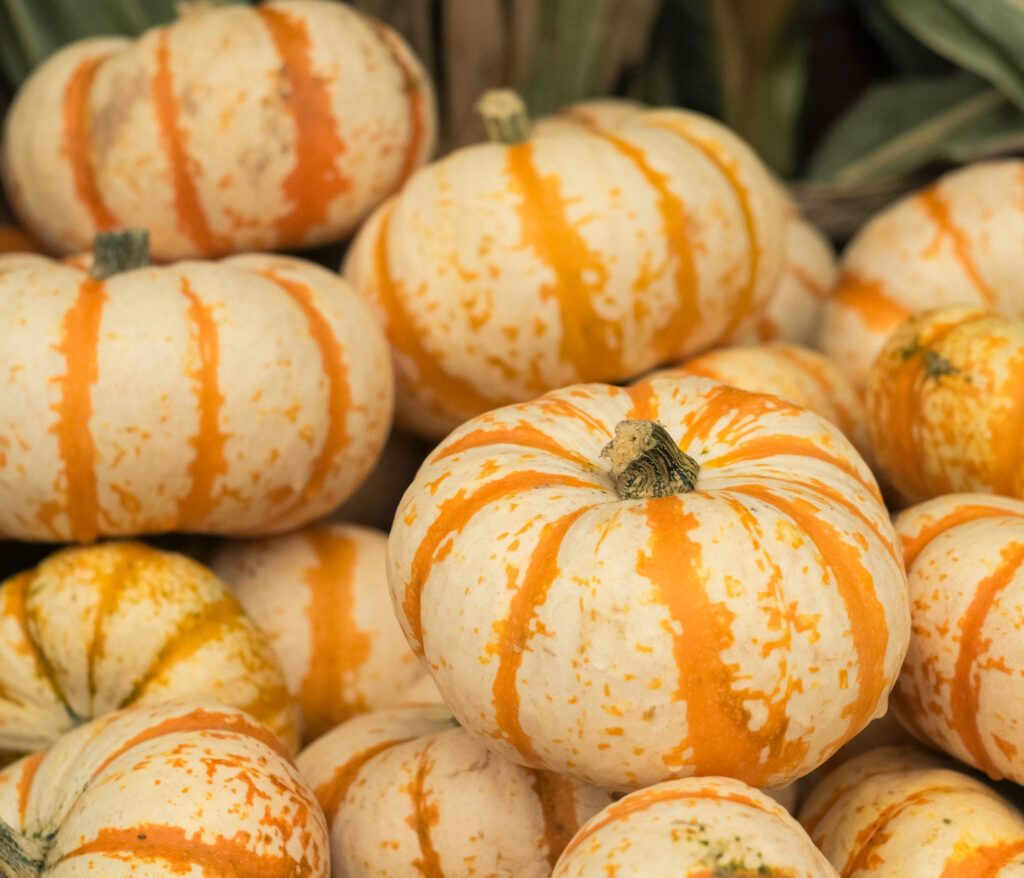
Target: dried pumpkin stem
[20,856]
[504,115]
[646,462]
[123,250]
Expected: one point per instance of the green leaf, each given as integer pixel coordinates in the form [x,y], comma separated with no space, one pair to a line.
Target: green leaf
[906,52]
[903,124]
[943,26]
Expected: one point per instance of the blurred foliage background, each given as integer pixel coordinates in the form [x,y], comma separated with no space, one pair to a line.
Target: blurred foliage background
[852,102]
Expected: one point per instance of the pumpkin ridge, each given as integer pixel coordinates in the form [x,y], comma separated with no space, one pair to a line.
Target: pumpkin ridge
[424,815]
[29,769]
[558,809]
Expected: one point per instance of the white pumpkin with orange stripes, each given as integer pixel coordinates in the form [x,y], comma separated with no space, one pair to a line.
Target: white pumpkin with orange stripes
[732,601]
[93,629]
[896,812]
[160,791]
[962,685]
[408,793]
[235,128]
[693,828]
[245,396]
[507,269]
[321,595]
[950,243]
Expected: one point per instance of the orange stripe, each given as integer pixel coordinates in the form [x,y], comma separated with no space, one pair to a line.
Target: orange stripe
[930,529]
[78,147]
[209,441]
[315,179]
[590,343]
[965,687]
[333,360]
[519,625]
[27,773]
[73,427]
[191,217]
[338,646]
[728,167]
[332,792]
[1006,426]
[415,87]
[450,395]
[522,435]
[670,339]
[555,794]
[870,301]
[425,815]
[937,210]
[984,861]
[452,516]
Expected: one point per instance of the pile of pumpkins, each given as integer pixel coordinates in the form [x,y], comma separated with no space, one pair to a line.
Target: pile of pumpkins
[699,501]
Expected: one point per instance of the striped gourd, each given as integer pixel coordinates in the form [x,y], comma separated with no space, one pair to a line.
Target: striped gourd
[693,828]
[745,616]
[197,789]
[951,243]
[507,269]
[895,812]
[235,128]
[408,793]
[93,629]
[962,685]
[320,593]
[248,395]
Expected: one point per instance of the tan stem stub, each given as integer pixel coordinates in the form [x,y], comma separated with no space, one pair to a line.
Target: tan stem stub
[114,252]
[504,115]
[646,462]
[20,856]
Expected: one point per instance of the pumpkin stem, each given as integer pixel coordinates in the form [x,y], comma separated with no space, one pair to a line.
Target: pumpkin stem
[646,462]
[504,115]
[123,250]
[20,856]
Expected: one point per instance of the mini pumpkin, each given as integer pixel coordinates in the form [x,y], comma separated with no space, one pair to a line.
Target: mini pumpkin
[90,630]
[960,688]
[408,793]
[895,812]
[944,404]
[320,593]
[693,827]
[245,396]
[718,592]
[509,268]
[162,791]
[237,127]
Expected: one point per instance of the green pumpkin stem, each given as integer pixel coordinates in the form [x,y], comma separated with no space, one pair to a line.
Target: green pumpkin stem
[123,250]
[646,462]
[20,856]
[504,115]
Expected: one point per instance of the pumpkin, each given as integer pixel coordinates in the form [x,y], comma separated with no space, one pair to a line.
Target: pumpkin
[408,793]
[507,269]
[14,240]
[93,629]
[950,243]
[245,396]
[235,128]
[731,602]
[321,595]
[693,827]
[943,403]
[960,688]
[797,373]
[161,791]
[895,812]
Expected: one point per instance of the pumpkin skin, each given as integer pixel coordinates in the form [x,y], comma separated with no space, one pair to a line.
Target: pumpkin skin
[407,793]
[747,628]
[897,811]
[693,828]
[245,396]
[799,374]
[320,593]
[501,272]
[160,791]
[960,687]
[944,400]
[93,629]
[230,130]
[950,243]
[14,240]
